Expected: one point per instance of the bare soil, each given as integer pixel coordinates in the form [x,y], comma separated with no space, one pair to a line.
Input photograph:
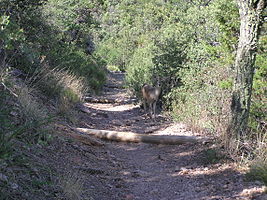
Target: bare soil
[134,171]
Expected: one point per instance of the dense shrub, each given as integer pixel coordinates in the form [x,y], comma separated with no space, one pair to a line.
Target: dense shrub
[139,70]
[50,57]
[43,34]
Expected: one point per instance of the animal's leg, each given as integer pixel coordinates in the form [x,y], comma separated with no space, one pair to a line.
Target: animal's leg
[144,103]
[150,110]
[154,108]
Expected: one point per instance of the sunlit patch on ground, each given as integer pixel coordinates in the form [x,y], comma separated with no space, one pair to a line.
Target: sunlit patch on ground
[176,129]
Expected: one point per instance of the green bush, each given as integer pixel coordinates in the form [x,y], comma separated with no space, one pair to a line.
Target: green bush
[258,106]
[139,70]
[158,61]
[43,35]
[201,101]
[113,68]
[202,98]
[116,53]
[226,84]
[77,61]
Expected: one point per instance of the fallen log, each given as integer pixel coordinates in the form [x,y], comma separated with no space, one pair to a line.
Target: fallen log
[86,139]
[135,137]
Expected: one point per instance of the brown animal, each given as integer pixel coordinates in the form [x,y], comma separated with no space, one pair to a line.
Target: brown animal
[150,96]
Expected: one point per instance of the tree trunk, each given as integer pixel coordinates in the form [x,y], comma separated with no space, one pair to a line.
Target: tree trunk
[250,15]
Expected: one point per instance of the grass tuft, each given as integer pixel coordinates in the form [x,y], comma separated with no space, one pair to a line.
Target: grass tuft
[72,186]
[61,85]
[258,171]
[31,110]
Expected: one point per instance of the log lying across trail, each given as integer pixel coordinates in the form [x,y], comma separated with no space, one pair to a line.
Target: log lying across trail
[86,139]
[135,137]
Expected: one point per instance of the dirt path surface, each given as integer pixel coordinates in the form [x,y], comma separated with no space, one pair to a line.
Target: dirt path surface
[146,171]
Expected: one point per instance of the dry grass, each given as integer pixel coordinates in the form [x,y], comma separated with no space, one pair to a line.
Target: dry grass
[72,185]
[59,80]
[258,166]
[251,151]
[30,108]
[34,117]
[3,74]
[61,85]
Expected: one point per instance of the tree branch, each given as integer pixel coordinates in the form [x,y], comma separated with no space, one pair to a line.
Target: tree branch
[5,87]
[260,5]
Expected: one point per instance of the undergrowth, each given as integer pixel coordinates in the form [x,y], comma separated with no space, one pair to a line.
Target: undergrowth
[72,185]
[258,171]
[61,85]
[202,103]
[26,125]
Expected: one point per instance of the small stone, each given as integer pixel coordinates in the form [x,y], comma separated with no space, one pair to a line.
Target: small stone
[177,169]
[258,183]
[3,178]
[119,186]
[198,189]
[129,197]
[13,113]
[160,157]
[183,169]
[35,170]
[135,174]
[155,191]
[14,186]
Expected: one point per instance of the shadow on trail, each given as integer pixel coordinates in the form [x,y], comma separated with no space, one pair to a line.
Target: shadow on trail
[121,117]
[178,172]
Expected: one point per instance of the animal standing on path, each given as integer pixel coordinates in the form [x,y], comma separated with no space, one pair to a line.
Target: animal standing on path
[150,96]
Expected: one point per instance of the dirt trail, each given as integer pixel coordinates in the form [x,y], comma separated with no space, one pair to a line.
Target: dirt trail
[155,172]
